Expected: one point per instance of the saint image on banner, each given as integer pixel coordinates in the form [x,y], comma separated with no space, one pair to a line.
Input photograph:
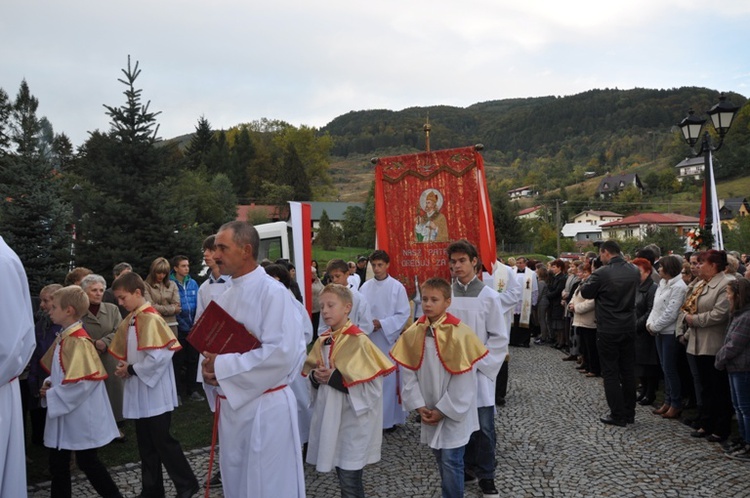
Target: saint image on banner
[431,224]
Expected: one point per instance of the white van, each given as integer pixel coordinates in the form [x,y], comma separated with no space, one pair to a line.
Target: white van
[275,241]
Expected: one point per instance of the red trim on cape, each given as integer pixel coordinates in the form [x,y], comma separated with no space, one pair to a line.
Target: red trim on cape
[421,358]
[449,319]
[382,373]
[82,334]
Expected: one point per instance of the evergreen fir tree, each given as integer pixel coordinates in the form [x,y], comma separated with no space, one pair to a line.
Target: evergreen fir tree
[199,148]
[33,216]
[242,154]
[293,174]
[219,158]
[326,233]
[130,212]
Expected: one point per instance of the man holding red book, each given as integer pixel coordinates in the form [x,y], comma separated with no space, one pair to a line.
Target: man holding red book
[257,409]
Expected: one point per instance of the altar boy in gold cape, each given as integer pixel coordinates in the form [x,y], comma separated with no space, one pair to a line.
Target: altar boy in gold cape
[145,344]
[438,353]
[346,372]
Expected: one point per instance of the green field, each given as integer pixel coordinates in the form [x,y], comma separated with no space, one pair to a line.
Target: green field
[345,253]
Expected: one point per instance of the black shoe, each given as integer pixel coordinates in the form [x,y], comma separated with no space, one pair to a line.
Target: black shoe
[609,420]
[646,400]
[733,445]
[188,493]
[640,396]
[488,488]
[742,454]
[699,433]
[630,420]
[469,478]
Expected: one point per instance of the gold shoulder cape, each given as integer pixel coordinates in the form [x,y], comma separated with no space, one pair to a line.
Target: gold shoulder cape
[78,357]
[151,331]
[458,347]
[353,354]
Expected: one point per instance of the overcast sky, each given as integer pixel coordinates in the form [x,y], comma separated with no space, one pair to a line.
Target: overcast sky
[307,62]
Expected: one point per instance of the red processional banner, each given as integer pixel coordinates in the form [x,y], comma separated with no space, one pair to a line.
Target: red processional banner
[425,201]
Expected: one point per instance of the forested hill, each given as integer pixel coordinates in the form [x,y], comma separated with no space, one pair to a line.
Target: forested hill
[597,129]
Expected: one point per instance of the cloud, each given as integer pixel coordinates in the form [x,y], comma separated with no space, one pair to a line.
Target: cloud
[304,62]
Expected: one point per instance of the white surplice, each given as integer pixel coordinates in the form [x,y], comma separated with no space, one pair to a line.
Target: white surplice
[299,384]
[484,315]
[512,289]
[17,344]
[360,315]
[346,430]
[152,390]
[260,450]
[209,291]
[389,304]
[79,415]
[454,395]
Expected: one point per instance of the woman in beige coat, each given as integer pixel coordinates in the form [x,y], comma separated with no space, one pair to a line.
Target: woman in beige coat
[162,293]
[706,314]
[100,323]
[584,323]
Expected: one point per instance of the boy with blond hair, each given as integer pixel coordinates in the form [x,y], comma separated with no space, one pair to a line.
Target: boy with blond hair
[346,372]
[144,344]
[338,272]
[79,416]
[438,353]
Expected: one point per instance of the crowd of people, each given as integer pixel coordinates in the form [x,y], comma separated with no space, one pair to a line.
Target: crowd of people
[639,320]
[323,387]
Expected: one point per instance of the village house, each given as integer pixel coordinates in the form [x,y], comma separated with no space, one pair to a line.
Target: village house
[532,213]
[584,226]
[691,169]
[610,185]
[637,225]
[733,209]
[522,192]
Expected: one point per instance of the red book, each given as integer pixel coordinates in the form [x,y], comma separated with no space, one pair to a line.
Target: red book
[217,332]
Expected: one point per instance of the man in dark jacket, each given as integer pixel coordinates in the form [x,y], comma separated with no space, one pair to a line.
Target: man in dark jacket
[614,287]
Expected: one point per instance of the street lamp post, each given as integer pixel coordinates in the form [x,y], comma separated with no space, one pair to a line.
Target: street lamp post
[722,115]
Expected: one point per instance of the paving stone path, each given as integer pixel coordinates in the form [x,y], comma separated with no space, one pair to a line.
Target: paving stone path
[550,444]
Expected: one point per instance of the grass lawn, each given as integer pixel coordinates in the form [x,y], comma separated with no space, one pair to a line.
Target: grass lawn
[191,426]
[346,253]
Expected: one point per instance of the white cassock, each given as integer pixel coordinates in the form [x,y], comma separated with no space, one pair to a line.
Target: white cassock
[260,451]
[79,415]
[484,315]
[454,395]
[300,384]
[512,289]
[209,291]
[151,391]
[353,280]
[17,344]
[389,304]
[346,428]
[360,315]
[529,285]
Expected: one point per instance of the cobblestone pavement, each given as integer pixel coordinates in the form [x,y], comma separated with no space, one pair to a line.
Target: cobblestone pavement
[550,443]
